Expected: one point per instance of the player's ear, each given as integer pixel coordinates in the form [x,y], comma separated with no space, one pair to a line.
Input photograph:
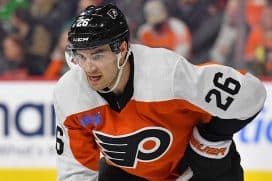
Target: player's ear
[124,48]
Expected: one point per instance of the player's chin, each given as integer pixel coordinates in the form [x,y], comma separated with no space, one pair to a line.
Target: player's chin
[96,86]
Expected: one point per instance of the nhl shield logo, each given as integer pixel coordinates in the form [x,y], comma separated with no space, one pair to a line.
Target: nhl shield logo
[112,13]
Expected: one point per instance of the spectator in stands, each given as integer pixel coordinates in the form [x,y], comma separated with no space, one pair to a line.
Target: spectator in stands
[160,30]
[13,62]
[223,49]
[204,18]
[259,45]
[2,35]
[2,63]
[51,14]
[254,10]
[58,66]
[35,35]
[133,10]
[17,62]
[9,6]
[195,12]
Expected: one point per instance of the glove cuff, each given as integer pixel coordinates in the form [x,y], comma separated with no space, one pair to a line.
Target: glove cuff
[209,149]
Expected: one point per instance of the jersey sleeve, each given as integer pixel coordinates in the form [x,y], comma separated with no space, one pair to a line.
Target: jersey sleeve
[232,99]
[221,91]
[77,156]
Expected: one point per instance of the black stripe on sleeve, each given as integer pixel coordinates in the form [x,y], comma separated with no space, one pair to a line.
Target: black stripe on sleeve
[222,129]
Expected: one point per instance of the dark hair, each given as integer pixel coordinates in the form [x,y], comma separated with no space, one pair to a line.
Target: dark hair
[22,14]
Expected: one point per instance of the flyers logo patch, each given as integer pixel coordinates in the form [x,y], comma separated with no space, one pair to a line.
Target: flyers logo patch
[144,145]
[112,13]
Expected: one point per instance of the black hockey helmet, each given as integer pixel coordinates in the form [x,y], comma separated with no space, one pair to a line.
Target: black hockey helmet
[99,25]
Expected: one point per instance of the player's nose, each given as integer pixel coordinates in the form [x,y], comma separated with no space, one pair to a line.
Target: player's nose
[89,66]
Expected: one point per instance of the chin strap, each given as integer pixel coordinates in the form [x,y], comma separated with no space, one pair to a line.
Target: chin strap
[120,71]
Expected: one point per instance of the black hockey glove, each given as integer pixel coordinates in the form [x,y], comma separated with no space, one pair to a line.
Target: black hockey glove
[206,159]
[211,154]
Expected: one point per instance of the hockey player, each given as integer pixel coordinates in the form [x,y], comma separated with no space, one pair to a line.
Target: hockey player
[152,114]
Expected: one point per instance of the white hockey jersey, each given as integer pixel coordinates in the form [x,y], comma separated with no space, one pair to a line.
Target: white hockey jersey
[148,136]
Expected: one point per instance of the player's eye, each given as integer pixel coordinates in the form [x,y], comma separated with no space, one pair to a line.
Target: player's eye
[79,58]
[97,56]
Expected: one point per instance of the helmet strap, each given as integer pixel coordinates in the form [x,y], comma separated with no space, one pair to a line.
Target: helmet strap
[119,56]
[120,71]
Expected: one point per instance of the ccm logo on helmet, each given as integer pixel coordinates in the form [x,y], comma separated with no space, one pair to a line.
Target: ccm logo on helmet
[146,145]
[80,39]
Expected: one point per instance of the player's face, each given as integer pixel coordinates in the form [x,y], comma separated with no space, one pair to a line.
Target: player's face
[100,66]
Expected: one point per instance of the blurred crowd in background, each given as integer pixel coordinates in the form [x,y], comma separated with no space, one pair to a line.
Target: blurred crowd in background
[33,33]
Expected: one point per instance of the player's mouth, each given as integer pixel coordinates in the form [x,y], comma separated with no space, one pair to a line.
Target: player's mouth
[94,79]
